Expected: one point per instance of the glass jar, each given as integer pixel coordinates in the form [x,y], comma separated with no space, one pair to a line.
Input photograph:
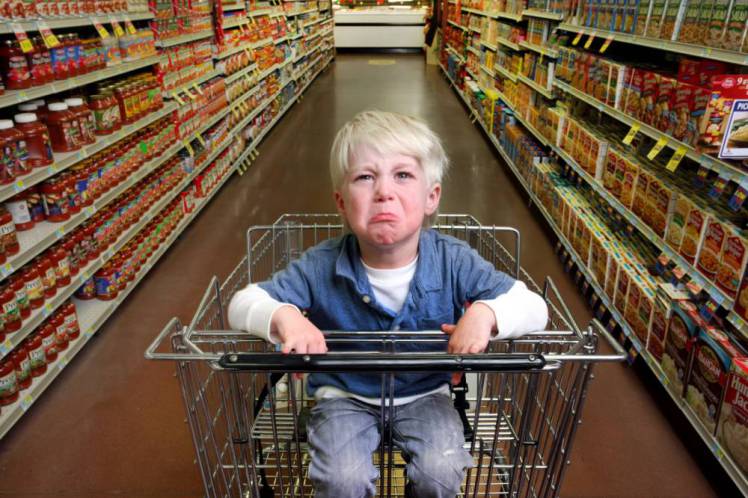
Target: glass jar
[105,114]
[59,60]
[55,199]
[49,342]
[8,382]
[20,358]
[40,63]
[36,135]
[71,320]
[48,275]
[61,331]
[63,128]
[18,285]
[37,356]
[8,237]
[61,263]
[14,67]
[34,286]
[106,283]
[9,309]
[87,290]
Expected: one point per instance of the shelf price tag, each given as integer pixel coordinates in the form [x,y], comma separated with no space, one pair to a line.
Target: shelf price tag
[177,98]
[22,37]
[589,41]
[143,145]
[197,88]
[200,139]
[607,43]
[678,156]
[50,40]
[129,27]
[187,146]
[6,346]
[657,148]
[631,134]
[118,31]
[26,402]
[103,33]
[189,94]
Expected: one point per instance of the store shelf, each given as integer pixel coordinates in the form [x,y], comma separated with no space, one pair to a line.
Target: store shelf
[202,79]
[548,52]
[535,86]
[505,73]
[490,47]
[316,21]
[256,86]
[229,8]
[233,21]
[476,11]
[241,48]
[63,161]
[728,56]
[13,97]
[261,12]
[472,74]
[230,79]
[73,21]
[178,40]
[474,51]
[508,44]
[541,14]
[92,314]
[724,169]
[487,70]
[454,52]
[509,15]
[458,26]
[300,12]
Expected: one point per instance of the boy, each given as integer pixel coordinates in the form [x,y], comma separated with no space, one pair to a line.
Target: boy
[389,273]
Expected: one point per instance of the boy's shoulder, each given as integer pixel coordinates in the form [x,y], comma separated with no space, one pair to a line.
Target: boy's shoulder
[443,242]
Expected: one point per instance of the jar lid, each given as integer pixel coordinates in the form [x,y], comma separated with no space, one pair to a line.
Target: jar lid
[74,102]
[28,107]
[57,106]
[38,102]
[6,124]
[26,117]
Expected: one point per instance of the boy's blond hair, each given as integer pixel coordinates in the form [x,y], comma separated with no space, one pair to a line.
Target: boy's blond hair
[388,133]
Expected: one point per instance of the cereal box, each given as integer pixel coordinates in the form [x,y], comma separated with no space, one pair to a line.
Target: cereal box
[664,104]
[693,234]
[683,328]
[699,72]
[631,100]
[676,225]
[643,13]
[732,430]
[671,17]
[735,33]
[711,248]
[690,27]
[732,262]
[628,183]
[711,361]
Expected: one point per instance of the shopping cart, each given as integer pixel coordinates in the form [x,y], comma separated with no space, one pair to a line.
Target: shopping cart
[520,406]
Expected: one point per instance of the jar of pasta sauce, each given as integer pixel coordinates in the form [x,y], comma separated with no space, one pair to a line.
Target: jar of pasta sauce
[80,176]
[86,124]
[69,246]
[13,153]
[49,342]
[61,331]
[106,113]
[48,275]
[34,286]
[91,243]
[63,128]
[18,284]
[9,309]
[106,283]
[56,201]
[37,356]
[41,109]
[71,320]
[20,211]
[40,64]
[14,66]
[59,59]
[8,237]
[61,261]
[74,199]
[87,291]
[38,143]
[8,382]
[20,358]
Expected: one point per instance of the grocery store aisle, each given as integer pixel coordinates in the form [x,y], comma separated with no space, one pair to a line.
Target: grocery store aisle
[113,424]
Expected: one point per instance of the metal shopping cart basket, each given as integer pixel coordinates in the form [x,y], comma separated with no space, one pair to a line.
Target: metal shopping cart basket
[247,415]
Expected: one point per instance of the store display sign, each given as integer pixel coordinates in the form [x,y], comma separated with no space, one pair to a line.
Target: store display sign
[735,141]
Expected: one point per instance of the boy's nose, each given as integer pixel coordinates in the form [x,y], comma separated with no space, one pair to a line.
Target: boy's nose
[383,190]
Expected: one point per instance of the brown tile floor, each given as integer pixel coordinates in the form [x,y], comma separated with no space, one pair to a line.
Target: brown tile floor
[113,424]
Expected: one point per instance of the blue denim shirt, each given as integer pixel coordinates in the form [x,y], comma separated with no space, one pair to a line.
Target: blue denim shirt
[330,283]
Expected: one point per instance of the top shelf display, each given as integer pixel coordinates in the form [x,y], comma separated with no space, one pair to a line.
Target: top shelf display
[72,22]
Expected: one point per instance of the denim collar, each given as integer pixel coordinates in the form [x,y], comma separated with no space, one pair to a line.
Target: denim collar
[427,277]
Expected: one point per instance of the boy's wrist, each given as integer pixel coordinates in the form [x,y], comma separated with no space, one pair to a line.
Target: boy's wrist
[485,314]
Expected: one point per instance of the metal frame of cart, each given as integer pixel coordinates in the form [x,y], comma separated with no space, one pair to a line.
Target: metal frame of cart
[247,416]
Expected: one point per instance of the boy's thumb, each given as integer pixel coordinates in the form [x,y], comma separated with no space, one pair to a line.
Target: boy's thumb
[448,328]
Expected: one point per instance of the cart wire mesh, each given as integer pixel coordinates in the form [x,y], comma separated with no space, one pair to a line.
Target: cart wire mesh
[248,424]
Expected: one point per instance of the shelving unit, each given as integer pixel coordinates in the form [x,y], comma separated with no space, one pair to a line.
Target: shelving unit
[93,314]
[73,21]
[701,289]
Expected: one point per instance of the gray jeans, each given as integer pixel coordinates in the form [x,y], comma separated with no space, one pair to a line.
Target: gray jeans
[343,433]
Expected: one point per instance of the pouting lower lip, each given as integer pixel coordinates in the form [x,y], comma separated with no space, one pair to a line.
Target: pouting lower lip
[383,217]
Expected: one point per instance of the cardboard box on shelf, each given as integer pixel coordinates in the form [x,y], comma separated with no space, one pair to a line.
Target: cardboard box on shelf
[725,90]
[733,261]
[718,22]
[711,247]
[693,233]
[711,360]
[732,429]
[735,31]
[683,328]
[676,225]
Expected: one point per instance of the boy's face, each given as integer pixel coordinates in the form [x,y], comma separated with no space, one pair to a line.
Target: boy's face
[385,198]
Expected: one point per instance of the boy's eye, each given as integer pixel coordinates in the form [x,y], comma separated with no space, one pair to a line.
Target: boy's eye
[403,175]
[363,177]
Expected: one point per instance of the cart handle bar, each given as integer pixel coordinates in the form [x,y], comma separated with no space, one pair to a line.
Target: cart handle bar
[382,362]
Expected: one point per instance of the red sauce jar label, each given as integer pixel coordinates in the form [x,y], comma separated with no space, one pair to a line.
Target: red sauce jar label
[49,344]
[71,322]
[35,289]
[20,211]
[8,384]
[23,369]
[87,290]
[63,268]
[11,312]
[37,357]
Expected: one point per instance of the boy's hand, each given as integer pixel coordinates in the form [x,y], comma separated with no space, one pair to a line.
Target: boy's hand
[472,332]
[297,333]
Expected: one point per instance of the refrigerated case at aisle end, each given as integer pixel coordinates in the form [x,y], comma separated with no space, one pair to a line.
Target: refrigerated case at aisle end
[379,27]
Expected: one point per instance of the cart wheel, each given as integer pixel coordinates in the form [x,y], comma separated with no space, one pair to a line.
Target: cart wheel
[267,492]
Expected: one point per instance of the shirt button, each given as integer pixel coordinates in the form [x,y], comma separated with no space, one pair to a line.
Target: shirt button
[367,299]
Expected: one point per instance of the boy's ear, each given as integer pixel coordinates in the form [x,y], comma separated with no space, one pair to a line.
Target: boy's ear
[339,202]
[432,201]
